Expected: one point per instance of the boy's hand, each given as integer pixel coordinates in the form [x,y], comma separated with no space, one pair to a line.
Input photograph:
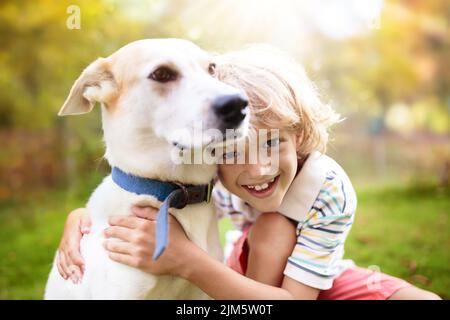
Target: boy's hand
[70,263]
[138,242]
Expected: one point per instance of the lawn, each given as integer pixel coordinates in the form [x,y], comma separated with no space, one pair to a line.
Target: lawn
[401,231]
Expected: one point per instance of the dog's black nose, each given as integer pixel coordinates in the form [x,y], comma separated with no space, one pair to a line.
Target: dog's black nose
[230,109]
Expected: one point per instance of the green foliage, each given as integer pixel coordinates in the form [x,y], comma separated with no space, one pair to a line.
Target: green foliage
[401,60]
[40,57]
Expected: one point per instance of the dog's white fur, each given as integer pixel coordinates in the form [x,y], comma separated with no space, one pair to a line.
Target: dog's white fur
[139,118]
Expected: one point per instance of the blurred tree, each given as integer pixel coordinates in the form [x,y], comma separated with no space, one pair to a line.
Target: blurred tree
[401,60]
[40,58]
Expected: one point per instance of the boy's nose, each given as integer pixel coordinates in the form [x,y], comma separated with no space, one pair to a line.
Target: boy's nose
[258,171]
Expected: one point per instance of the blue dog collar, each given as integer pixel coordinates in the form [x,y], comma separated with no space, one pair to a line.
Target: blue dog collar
[172,195]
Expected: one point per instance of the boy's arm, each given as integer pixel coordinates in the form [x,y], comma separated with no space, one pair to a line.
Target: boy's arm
[220,282]
[271,240]
[185,259]
[70,263]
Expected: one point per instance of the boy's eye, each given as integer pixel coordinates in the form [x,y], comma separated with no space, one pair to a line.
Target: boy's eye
[272,143]
[231,155]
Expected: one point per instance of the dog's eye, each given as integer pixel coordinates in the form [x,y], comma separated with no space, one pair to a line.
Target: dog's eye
[163,74]
[212,68]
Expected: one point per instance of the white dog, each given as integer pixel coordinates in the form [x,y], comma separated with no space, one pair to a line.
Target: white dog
[148,91]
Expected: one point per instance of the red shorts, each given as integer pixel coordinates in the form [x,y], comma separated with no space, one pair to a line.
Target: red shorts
[353,284]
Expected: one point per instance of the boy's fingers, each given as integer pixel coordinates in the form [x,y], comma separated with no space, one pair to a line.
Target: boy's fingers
[124,259]
[148,213]
[76,258]
[125,221]
[118,247]
[63,264]
[60,269]
[73,253]
[85,223]
[122,233]
[75,274]
[71,270]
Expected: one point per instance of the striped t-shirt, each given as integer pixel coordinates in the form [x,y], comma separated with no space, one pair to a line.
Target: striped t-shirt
[322,200]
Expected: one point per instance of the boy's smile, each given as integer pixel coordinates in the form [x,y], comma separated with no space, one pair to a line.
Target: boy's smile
[264,189]
[264,185]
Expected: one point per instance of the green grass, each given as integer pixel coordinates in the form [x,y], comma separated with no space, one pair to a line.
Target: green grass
[405,232]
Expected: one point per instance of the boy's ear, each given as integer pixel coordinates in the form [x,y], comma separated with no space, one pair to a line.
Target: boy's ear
[95,84]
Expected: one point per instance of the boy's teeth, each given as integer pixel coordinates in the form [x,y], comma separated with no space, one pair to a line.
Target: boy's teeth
[260,187]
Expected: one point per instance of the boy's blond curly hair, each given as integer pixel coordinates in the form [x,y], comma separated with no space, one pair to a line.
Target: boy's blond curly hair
[280,94]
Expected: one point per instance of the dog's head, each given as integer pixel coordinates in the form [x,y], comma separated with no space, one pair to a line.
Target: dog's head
[153,92]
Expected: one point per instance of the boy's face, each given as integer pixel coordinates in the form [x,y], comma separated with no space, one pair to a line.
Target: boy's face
[263,185]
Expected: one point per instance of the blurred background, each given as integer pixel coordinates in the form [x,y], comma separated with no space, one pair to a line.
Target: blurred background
[384,65]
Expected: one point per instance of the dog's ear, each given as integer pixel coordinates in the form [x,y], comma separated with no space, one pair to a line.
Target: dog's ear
[95,84]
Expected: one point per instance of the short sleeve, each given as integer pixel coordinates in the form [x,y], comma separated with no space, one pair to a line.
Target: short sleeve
[317,256]
[222,200]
